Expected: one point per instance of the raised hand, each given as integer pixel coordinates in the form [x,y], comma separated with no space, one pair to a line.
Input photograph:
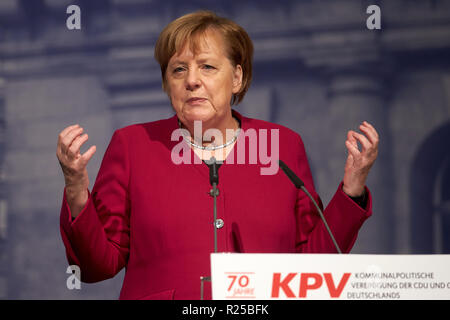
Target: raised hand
[73,165]
[359,162]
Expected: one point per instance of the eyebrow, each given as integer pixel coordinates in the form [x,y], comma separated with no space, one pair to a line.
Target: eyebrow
[177,62]
[202,60]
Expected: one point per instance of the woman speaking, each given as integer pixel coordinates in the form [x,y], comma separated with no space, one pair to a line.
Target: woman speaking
[153,215]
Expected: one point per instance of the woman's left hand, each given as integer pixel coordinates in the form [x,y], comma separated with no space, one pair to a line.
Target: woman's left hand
[359,162]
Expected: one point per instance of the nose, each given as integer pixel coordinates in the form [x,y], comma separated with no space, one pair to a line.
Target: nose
[192,80]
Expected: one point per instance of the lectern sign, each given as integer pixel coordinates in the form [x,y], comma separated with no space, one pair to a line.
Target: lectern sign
[330,276]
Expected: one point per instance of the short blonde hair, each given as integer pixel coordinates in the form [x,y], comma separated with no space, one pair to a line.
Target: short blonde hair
[239,46]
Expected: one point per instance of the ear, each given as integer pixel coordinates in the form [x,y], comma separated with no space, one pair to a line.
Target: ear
[237,78]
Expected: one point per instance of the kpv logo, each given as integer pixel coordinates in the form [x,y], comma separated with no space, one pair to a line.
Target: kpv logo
[307,282]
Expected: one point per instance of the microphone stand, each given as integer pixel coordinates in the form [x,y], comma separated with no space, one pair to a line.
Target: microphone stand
[300,185]
[214,192]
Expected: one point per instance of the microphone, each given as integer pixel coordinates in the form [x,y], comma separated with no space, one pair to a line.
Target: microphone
[213,171]
[300,185]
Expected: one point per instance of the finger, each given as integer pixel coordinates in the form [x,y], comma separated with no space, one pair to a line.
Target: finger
[67,129]
[365,143]
[352,149]
[77,143]
[372,128]
[370,134]
[88,154]
[69,138]
[352,139]
[62,135]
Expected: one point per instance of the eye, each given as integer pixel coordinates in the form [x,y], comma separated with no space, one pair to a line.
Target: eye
[178,69]
[208,67]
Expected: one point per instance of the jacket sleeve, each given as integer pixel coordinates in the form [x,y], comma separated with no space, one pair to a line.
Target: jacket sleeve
[97,240]
[343,215]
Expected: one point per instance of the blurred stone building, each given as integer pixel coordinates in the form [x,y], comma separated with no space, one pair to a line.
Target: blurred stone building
[318,70]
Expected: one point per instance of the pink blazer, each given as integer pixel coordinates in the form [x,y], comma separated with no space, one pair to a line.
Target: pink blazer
[154,217]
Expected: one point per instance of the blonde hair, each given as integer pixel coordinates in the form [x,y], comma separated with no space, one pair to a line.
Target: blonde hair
[189,28]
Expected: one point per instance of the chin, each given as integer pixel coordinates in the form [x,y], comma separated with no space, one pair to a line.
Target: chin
[199,115]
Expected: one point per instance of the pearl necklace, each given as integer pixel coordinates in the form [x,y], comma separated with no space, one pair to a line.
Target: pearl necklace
[209,148]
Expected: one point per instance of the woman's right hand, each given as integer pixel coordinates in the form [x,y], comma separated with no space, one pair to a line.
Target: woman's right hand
[73,165]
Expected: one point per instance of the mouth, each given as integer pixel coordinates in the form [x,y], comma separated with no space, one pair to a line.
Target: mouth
[195,100]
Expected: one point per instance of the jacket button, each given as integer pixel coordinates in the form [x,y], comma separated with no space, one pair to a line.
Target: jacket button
[219,223]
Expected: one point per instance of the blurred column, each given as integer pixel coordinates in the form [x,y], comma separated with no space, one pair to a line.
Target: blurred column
[356,93]
[133,84]
[9,7]
[3,204]
[132,77]
[11,15]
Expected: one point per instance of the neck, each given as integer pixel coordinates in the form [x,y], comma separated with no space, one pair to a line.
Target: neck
[212,137]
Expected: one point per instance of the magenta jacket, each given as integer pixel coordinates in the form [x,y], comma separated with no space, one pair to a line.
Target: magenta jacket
[154,217]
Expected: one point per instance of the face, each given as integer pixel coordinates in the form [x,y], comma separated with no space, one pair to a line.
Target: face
[201,84]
